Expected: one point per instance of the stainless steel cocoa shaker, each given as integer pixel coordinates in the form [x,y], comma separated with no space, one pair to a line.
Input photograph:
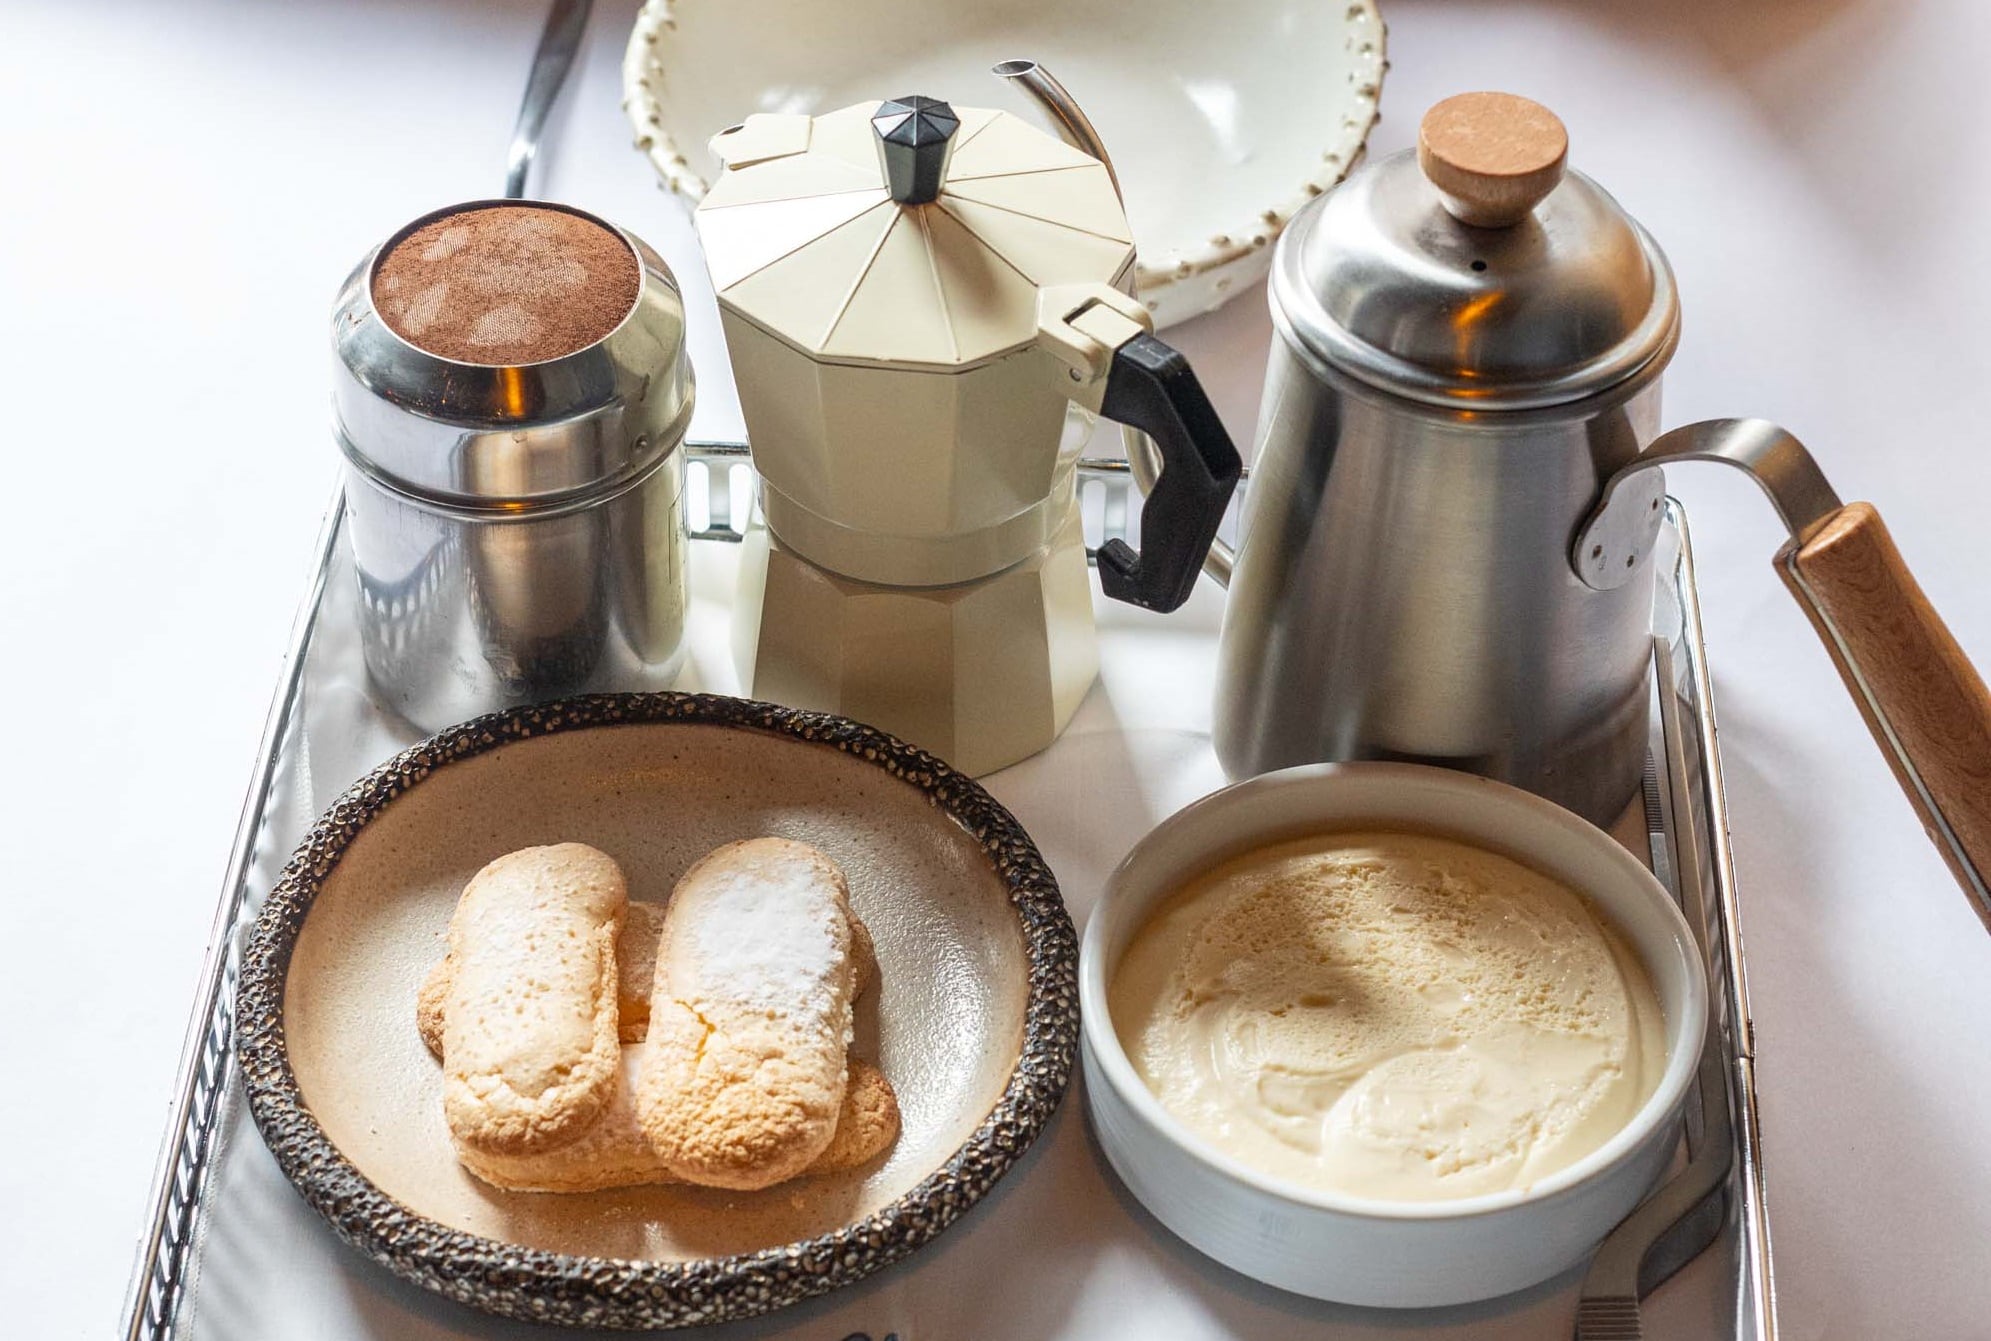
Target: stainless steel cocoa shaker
[516,526]
[1470,344]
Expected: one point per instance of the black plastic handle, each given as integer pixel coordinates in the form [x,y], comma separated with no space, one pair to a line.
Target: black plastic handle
[1152,388]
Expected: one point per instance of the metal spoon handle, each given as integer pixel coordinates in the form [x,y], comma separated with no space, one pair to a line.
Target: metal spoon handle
[558,43]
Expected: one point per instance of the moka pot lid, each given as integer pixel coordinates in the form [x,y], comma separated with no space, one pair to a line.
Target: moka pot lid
[907,233]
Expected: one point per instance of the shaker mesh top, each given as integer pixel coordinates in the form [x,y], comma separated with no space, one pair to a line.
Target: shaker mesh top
[506,284]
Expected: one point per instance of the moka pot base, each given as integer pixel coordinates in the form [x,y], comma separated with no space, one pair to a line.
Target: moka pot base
[981,673]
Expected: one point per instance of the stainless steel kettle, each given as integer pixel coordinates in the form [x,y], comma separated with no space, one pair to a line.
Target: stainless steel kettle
[1448,540]
[1470,344]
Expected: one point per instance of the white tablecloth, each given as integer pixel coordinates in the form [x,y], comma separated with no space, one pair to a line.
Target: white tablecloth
[184,186]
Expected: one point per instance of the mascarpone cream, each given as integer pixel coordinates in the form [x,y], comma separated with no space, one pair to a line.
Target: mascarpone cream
[1389,1015]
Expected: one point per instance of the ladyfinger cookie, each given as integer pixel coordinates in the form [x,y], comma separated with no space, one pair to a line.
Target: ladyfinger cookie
[431,1000]
[614,1152]
[866,1124]
[529,1029]
[750,1016]
[636,965]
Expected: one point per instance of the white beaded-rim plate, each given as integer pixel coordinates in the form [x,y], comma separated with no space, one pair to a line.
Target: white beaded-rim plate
[1223,120]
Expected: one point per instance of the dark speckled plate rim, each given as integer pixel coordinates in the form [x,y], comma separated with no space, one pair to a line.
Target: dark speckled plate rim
[539,1286]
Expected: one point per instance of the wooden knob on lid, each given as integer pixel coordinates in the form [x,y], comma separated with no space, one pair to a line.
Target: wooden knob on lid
[1492,156]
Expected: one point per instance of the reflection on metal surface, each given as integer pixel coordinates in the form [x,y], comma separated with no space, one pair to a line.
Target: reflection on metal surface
[1402,592]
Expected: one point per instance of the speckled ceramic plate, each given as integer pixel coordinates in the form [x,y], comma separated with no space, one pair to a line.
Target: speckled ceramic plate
[1222,120]
[974,1019]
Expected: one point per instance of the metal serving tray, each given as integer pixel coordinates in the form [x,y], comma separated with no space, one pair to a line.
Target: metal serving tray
[230,1253]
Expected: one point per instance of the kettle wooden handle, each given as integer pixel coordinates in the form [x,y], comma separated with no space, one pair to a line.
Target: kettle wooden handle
[1924,702]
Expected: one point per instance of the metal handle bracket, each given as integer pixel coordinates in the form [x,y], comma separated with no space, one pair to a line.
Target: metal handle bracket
[1620,530]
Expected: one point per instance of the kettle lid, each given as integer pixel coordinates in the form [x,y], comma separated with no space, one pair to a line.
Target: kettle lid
[907,232]
[1477,271]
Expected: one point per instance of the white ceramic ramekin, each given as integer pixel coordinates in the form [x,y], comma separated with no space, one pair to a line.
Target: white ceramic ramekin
[1351,1249]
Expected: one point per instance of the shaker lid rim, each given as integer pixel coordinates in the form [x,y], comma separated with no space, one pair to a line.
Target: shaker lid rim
[406,419]
[378,256]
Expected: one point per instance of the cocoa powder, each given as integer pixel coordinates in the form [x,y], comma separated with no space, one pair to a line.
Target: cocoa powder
[506,285]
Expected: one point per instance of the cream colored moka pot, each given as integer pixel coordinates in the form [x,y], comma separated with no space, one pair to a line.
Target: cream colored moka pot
[912,296]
